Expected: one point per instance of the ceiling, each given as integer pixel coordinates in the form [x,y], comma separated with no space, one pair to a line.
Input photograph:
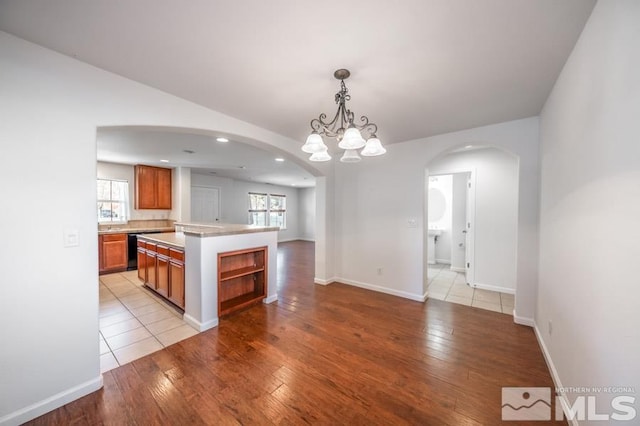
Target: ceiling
[419,67]
[233,159]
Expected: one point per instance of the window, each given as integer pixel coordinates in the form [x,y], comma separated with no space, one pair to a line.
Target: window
[113,201]
[268,210]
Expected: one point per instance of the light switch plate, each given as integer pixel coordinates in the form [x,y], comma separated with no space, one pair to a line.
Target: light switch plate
[71,238]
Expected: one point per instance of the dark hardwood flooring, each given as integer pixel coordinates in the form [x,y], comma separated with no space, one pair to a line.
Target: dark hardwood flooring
[332,354]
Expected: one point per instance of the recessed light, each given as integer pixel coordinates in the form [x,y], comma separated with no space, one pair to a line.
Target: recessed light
[468,147]
[164,161]
[279,159]
[242,167]
[293,184]
[222,140]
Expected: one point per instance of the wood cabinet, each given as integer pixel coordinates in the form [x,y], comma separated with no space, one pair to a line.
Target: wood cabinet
[162,270]
[153,188]
[112,253]
[242,279]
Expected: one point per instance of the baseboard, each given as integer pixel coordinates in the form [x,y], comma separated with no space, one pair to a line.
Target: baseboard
[494,288]
[56,401]
[270,299]
[456,269]
[445,261]
[380,289]
[296,239]
[200,326]
[323,282]
[562,396]
[523,320]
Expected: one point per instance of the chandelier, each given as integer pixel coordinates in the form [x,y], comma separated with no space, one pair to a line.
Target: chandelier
[342,127]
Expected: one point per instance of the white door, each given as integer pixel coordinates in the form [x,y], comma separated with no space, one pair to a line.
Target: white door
[205,204]
[469,231]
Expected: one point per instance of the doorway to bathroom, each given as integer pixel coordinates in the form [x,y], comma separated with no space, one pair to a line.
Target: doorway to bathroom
[471,233]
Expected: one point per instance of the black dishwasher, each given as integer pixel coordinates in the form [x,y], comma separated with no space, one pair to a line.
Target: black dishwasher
[132,248]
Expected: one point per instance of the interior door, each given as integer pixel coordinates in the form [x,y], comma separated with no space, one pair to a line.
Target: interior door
[469,231]
[205,204]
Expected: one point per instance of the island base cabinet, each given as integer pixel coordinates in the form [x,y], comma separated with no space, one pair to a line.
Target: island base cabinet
[176,283]
[242,279]
[162,270]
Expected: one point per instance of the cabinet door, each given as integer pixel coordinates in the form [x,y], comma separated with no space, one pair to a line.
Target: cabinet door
[162,275]
[142,268]
[145,196]
[163,188]
[176,283]
[150,263]
[114,252]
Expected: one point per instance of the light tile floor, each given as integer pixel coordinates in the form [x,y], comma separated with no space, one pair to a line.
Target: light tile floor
[451,286]
[134,322]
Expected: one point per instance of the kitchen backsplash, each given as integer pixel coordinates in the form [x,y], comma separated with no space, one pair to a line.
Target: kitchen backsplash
[137,224]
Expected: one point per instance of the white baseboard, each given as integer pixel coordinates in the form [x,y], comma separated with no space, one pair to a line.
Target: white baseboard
[56,401]
[493,288]
[523,320]
[311,240]
[200,326]
[445,261]
[323,282]
[456,269]
[270,299]
[562,396]
[295,239]
[380,289]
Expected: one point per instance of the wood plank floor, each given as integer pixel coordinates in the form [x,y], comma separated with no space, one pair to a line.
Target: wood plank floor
[325,355]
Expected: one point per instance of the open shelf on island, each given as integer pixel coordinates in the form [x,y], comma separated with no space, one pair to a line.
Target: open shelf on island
[242,279]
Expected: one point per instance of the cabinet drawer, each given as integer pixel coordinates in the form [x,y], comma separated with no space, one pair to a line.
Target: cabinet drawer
[163,250]
[151,246]
[114,237]
[142,244]
[176,254]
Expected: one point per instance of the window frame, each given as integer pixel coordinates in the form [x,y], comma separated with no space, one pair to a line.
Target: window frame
[268,210]
[124,202]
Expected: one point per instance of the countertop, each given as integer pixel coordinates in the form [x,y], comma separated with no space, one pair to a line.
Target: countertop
[124,230]
[171,239]
[204,230]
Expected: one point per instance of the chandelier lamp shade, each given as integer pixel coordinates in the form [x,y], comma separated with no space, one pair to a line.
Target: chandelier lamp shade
[343,128]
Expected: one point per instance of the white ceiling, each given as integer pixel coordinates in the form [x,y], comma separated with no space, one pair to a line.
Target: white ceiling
[234,159]
[419,67]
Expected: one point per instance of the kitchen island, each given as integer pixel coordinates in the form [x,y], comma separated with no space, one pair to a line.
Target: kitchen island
[226,267]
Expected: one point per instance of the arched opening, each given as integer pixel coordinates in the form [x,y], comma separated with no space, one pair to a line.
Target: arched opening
[471,246]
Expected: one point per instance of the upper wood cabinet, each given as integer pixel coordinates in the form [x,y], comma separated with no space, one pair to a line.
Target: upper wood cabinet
[153,188]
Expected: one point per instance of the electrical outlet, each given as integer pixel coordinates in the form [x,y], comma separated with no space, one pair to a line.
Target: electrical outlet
[379,270]
[550,327]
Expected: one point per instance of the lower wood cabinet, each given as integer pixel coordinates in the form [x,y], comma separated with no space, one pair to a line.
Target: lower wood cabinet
[162,270]
[242,279]
[112,253]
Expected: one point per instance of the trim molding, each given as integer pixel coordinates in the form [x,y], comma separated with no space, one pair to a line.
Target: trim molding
[562,396]
[39,408]
[200,326]
[445,261]
[324,282]
[286,240]
[523,320]
[456,269]
[380,289]
[494,288]
[270,299]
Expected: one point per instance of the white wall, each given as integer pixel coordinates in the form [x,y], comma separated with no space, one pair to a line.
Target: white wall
[458,221]
[496,213]
[51,106]
[590,206]
[377,198]
[307,213]
[441,203]
[234,203]
[127,172]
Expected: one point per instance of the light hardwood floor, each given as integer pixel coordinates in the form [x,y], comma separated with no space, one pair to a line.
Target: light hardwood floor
[331,354]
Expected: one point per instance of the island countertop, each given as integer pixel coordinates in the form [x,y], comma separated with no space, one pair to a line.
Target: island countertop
[171,239]
[204,230]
